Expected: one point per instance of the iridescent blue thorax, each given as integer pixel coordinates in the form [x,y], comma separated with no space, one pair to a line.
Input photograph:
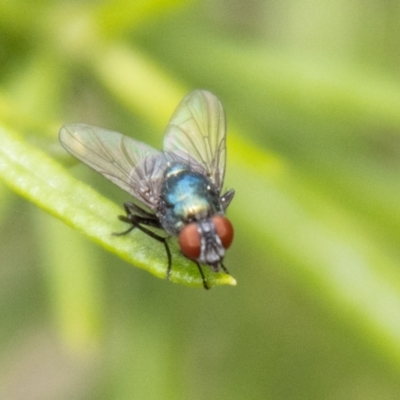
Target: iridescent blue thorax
[186,196]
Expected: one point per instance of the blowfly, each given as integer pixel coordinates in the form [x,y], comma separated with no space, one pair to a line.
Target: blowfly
[176,190]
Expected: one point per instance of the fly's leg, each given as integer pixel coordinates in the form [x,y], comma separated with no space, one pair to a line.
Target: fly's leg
[226,198]
[138,217]
[224,268]
[202,276]
[133,209]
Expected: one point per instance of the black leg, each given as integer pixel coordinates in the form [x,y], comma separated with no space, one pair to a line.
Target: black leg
[202,275]
[223,267]
[132,208]
[226,198]
[161,240]
[144,218]
[130,229]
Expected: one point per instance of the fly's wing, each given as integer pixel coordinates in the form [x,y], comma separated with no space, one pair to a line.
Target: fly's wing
[132,165]
[197,129]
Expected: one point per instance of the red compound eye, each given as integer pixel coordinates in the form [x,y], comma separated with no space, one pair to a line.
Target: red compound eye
[190,241]
[224,230]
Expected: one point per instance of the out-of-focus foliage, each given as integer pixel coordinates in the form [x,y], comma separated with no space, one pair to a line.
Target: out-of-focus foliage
[312,96]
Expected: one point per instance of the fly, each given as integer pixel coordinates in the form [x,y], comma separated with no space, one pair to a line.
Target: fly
[177,190]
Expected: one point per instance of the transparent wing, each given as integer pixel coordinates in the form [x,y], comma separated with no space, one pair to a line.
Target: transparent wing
[132,165]
[198,129]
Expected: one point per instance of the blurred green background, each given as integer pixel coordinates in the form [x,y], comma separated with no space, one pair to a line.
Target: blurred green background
[312,96]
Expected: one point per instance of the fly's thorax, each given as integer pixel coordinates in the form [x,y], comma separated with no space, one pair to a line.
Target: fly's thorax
[206,241]
[186,196]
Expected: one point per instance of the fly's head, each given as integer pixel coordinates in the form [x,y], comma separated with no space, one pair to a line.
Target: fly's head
[205,241]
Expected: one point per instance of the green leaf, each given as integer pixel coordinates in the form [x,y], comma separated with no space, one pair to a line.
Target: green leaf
[37,177]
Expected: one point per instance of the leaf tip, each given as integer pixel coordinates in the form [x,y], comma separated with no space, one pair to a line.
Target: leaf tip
[227,280]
